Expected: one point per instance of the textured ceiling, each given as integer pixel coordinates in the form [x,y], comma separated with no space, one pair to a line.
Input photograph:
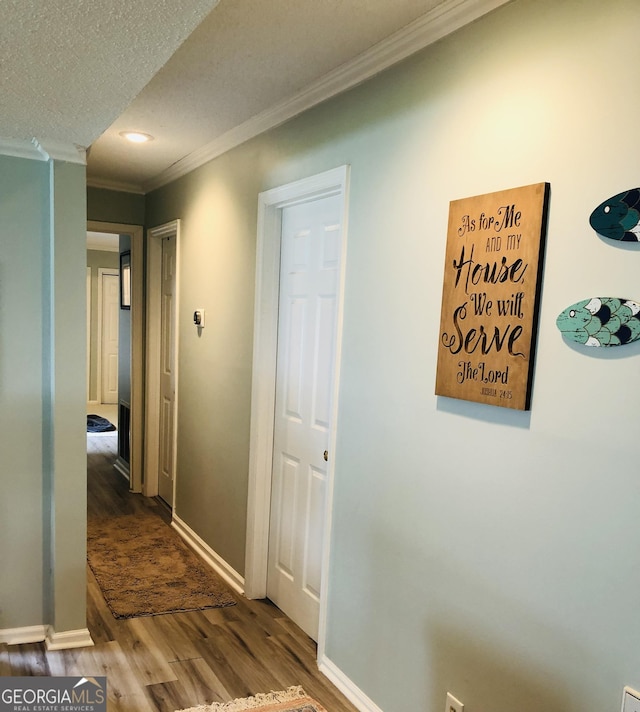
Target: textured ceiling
[68,68]
[189,72]
[245,57]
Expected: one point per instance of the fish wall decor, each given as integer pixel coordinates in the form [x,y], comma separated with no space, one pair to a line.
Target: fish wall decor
[618,218]
[601,321]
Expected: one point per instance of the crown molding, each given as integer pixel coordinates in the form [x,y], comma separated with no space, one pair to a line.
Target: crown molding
[20,149]
[115,185]
[43,150]
[119,186]
[448,17]
[60,151]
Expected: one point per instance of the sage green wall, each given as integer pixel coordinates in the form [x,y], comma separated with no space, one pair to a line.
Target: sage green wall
[475,549]
[217,207]
[24,202]
[64,356]
[97,259]
[42,359]
[115,206]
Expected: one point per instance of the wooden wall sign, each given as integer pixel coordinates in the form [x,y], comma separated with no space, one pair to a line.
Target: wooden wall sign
[490,296]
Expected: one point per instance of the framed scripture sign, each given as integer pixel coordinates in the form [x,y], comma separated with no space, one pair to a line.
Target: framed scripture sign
[490,296]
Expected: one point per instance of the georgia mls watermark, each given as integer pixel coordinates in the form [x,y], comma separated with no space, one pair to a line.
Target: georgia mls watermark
[53,694]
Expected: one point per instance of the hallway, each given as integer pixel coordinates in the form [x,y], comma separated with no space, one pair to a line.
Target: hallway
[174,661]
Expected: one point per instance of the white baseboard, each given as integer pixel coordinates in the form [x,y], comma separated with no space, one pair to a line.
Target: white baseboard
[122,467]
[68,639]
[348,688]
[45,633]
[19,636]
[217,563]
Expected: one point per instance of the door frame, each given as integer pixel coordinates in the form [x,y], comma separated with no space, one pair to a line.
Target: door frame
[154,332]
[271,203]
[88,290]
[99,340]
[137,343]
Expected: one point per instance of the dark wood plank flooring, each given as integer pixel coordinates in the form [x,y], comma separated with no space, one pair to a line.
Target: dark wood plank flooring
[175,661]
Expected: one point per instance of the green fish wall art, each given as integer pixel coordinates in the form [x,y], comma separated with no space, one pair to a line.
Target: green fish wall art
[601,321]
[618,218]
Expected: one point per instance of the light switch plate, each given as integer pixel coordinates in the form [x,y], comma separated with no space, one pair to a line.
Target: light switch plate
[630,700]
[453,705]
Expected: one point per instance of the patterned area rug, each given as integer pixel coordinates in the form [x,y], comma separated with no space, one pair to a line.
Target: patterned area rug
[144,568]
[295,699]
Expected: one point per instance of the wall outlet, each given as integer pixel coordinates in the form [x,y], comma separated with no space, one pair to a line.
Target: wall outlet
[630,700]
[454,705]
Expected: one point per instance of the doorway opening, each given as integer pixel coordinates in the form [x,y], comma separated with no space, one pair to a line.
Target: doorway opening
[115,340]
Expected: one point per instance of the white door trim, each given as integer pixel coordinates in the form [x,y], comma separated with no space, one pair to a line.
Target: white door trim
[88,289]
[137,343]
[101,272]
[265,340]
[154,331]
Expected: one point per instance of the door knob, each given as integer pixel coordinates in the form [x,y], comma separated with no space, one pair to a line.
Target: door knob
[326,455]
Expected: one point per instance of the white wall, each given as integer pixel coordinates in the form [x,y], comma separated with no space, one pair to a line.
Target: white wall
[483,551]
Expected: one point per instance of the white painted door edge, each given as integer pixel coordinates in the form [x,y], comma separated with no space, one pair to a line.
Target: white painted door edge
[152,412]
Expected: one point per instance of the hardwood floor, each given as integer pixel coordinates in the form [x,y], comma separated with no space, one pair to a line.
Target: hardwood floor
[174,661]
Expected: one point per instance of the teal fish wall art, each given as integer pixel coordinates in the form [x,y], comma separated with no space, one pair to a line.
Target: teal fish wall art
[618,218]
[601,321]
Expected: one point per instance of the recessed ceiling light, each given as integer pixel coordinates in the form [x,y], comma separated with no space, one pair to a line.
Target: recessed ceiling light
[136,136]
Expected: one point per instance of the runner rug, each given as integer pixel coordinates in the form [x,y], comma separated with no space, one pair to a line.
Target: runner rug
[295,699]
[144,568]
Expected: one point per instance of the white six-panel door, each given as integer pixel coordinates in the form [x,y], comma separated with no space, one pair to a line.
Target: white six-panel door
[310,258]
[167,370]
